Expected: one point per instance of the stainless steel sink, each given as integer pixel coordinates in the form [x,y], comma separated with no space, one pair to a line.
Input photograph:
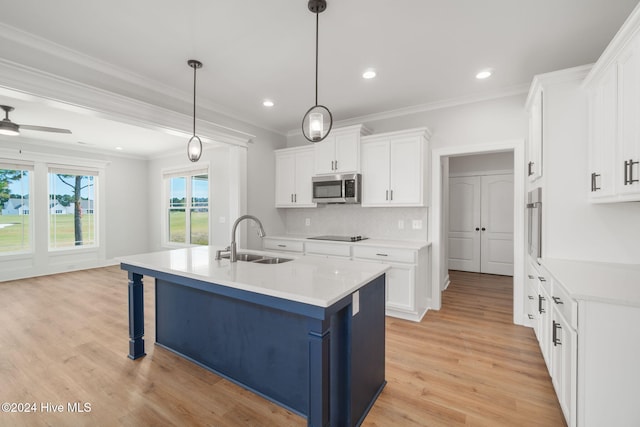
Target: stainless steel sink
[259,259]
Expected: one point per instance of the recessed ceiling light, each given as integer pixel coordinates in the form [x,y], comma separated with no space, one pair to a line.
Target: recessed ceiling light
[119,148]
[484,74]
[267,103]
[369,74]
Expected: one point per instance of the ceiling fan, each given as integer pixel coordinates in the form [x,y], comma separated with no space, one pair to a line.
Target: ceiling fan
[7,127]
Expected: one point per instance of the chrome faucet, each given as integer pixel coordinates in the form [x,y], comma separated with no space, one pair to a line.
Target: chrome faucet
[233,256]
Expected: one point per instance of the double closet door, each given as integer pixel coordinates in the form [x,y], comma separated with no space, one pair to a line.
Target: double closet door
[481,224]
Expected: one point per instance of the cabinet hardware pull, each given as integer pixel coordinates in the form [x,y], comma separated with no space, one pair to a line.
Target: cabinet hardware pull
[382,254]
[386,196]
[295,197]
[391,194]
[594,186]
[628,172]
[557,300]
[530,316]
[540,309]
[554,338]
[530,170]
[531,277]
[336,165]
[291,197]
[531,297]
[282,246]
[542,279]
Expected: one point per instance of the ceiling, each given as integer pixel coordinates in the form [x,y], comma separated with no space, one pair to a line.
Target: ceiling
[425,52]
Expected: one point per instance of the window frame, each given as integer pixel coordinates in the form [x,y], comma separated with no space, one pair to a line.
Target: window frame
[84,171]
[188,174]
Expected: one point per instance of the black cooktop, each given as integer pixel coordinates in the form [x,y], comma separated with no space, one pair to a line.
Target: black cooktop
[339,238]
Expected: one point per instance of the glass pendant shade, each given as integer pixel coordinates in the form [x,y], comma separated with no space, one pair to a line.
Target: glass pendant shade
[317,123]
[194,148]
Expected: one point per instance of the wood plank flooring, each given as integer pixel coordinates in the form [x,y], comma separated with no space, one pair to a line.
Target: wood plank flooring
[64,339]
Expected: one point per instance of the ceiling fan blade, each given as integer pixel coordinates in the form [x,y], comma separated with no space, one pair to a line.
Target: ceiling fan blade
[44,129]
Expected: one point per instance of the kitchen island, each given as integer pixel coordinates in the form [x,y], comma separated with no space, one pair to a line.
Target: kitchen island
[306,334]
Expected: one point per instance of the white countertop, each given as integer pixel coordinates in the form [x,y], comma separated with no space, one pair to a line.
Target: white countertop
[311,280]
[597,281]
[379,243]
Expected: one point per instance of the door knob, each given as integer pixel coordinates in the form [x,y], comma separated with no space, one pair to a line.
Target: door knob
[477,229]
[484,229]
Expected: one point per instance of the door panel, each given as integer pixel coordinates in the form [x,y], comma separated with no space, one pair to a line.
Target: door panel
[464,218]
[497,224]
[486,203]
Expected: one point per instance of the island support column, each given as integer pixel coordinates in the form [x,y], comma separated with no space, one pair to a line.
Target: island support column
[319,399]
[136,316]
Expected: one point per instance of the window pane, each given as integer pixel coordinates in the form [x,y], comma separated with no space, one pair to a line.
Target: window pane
[177,225]
[15,235]
[177,189]
[72,207]
[200,226]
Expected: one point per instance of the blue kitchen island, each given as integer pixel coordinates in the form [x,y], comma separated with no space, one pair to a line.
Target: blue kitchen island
[308,334]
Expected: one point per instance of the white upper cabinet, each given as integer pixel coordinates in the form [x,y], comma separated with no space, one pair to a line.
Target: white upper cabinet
[536,135]
[339,152]
[294,169]
[613,86]
[394,168]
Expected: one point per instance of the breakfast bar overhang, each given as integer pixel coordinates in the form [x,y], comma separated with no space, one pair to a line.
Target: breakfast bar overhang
[308,334]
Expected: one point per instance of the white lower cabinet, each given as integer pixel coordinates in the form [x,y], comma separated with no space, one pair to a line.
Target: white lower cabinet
[591,344]
[407,281]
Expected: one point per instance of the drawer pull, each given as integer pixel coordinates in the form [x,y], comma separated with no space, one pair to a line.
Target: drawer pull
[540,299]
[382,254]
[531,297]
[557,300]
[542,279]
[554,338]
[530,316]
[282,246]
[531,277]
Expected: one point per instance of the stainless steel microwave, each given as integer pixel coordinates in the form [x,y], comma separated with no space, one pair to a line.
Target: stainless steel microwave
[345,188]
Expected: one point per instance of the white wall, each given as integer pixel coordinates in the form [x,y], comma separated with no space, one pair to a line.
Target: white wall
[480,164]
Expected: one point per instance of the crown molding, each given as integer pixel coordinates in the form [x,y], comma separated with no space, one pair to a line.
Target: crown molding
[556,77]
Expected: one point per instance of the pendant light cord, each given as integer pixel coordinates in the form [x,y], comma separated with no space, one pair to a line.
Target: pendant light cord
[194,100]
[317,15]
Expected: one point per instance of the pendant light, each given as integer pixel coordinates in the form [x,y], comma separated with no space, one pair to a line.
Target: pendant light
[194,147]
[318,120]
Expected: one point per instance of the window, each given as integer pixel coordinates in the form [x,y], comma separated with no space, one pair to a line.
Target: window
[15,218]
[188,207]
[72,201]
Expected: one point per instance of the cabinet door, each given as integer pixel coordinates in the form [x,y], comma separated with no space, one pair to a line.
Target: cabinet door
[375,173]
[406,186]
[303,194]
[400,287]
[347,148]
[603,110]
[544,325]
[536,137]
[629,121]
[285,179]
[324,152]
[564,353]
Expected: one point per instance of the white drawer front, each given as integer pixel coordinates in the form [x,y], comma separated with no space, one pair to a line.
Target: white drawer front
[283,245]
[385,254]
[567,306]
[331,249]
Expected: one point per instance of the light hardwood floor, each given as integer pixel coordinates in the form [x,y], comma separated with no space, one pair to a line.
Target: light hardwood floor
[64,339]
